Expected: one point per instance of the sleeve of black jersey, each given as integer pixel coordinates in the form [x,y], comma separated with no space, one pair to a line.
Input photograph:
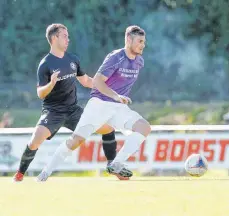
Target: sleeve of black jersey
[43,74]
[80,72]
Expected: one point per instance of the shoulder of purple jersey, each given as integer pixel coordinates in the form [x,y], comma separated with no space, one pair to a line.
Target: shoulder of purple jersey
[115,55]
[140,60]
[73,57]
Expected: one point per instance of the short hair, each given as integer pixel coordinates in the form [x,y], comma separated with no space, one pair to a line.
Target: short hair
[53,29]
[134,30]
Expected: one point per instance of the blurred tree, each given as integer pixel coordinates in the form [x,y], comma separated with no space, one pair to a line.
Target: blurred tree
[209,17]
[180,36]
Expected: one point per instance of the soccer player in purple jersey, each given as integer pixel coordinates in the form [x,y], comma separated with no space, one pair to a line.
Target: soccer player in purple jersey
[109,105]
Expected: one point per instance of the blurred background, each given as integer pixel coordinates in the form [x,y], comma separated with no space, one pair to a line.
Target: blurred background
[186,73]
[185,79]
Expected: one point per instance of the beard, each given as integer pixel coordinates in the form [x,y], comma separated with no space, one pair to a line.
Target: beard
[135,52]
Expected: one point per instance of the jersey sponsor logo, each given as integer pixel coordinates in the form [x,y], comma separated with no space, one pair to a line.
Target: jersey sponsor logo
[67,76]
[128,73]
[73,66]
[124,70]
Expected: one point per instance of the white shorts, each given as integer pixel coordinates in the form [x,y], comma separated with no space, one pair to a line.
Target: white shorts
[98,112]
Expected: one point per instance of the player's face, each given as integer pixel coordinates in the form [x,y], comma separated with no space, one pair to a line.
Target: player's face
[62,40]
[137,44]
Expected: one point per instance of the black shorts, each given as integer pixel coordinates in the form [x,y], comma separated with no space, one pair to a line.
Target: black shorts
[54,120]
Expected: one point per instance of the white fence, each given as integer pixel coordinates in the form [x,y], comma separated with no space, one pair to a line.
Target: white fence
[166,148]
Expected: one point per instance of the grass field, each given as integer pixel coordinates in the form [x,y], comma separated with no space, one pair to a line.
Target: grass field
[91,196]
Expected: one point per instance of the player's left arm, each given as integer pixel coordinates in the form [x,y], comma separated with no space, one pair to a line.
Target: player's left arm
[85,80]
[82,77]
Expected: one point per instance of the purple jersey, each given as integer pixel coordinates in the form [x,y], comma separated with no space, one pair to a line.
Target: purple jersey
[121,72]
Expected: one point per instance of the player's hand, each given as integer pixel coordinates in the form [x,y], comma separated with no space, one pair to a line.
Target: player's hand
[54,77]
[123,99]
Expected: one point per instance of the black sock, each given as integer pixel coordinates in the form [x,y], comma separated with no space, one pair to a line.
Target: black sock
[26,159]
[109,146]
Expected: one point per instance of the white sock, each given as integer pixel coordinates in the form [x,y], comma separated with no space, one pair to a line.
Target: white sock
[59,156]
[131,145]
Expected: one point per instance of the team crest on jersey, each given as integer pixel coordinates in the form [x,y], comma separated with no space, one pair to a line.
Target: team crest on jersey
[73,65]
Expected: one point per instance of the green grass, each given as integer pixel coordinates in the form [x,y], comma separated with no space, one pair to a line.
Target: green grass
[91,196]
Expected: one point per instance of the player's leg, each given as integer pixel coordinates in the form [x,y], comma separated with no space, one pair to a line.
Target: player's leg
[40,134]
[110,146]
[47,126]
[109,142]
[129,120]
[94,116]
[63,151]
[141,129]
[108,135]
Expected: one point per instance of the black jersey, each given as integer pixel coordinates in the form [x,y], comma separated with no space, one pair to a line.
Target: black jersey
[63,96]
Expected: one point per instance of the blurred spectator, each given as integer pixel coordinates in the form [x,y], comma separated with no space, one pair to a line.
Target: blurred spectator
[7,157]
[6,121]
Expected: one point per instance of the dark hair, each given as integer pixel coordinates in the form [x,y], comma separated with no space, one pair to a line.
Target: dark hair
[134,30]
[53,29]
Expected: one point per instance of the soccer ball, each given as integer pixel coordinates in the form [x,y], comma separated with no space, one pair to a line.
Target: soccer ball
[196,165]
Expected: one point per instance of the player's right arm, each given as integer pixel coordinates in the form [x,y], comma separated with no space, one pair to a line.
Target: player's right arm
[45,82]
[105,71]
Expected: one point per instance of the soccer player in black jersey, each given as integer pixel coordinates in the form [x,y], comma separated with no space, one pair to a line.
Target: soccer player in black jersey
[57,76]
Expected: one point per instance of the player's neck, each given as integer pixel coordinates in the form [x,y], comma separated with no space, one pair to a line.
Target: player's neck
[129,54]
[56,52]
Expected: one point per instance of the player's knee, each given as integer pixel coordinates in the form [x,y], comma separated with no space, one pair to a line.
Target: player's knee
[74,141]
[85,131]
[142,126]
[39,136]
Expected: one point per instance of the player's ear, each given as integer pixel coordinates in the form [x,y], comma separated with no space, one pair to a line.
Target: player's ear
[127,40]
[53,38]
